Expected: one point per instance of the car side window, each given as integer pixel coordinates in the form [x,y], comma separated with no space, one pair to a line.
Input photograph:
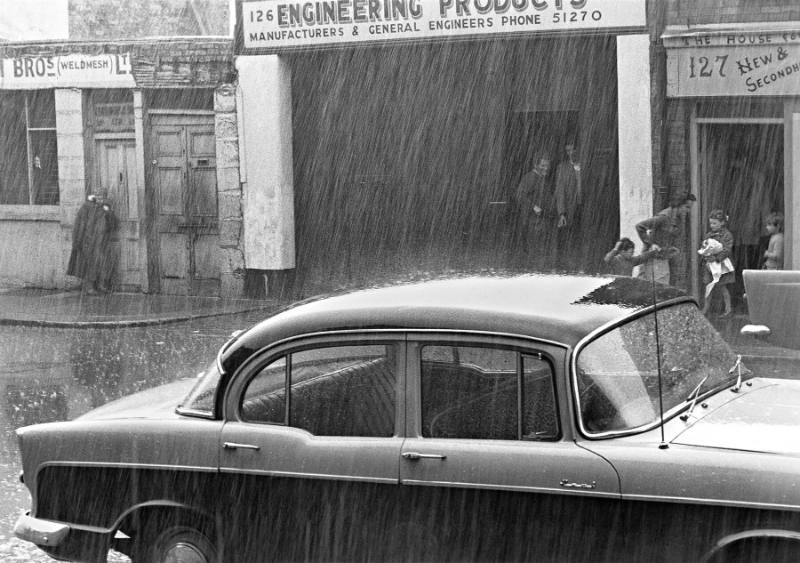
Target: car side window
[487,393]
[333,391]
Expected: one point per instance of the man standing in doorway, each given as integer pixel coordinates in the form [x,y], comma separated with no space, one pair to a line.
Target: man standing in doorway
[569,200]
[534,211]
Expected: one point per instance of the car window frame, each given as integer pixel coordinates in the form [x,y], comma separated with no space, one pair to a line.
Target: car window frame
[573,374]
[249,369]
[555,353]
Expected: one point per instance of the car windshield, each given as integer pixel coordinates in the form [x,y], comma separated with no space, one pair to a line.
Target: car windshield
[200,400]
[617,374]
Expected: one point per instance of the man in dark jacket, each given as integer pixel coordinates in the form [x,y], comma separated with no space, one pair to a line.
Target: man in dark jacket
[569,201]
[90,258]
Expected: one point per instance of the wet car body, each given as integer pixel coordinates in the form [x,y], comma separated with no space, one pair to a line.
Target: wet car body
[491,418]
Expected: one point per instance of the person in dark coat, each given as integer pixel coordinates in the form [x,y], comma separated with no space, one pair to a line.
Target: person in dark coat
[534,211]
[90,258]
[569,203]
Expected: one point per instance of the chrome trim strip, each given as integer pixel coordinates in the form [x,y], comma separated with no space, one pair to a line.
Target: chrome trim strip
[327,477]
[512,488]
[713,502]
[123,465]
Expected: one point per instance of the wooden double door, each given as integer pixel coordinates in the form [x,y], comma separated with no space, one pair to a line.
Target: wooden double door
[182,200]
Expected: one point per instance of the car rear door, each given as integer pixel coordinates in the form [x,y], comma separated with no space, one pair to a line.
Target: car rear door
[487,428]
[312,428]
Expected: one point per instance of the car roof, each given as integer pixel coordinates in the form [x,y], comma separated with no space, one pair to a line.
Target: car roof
[558,308]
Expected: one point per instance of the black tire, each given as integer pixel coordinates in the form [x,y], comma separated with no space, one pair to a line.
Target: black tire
[173,544]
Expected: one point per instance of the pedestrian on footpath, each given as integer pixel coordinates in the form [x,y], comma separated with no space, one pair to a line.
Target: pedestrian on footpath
[91,258]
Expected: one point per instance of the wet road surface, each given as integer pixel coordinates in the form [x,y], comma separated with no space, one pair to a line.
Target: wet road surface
[49,374]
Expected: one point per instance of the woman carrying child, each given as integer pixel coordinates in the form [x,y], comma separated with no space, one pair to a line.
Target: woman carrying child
[718,273]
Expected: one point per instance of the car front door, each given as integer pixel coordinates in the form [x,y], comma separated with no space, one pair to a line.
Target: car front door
[310,446]
[490,450]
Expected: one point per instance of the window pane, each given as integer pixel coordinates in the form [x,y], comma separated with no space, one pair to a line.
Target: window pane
[540,419]
[344,390]
[472,396]
[41,109]
[265,397]
[44,167]
[13,151]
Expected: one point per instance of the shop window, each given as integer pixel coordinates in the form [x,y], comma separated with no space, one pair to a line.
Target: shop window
[28,148]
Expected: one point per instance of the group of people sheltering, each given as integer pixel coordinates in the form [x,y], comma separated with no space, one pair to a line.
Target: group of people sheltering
[555,221]
[91,258]
[659,233]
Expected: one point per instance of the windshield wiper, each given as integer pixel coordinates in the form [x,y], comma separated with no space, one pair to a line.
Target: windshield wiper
[739,366]
[693,397]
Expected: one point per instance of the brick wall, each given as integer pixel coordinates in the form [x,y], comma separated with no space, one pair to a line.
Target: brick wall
[698,12]
[115,19]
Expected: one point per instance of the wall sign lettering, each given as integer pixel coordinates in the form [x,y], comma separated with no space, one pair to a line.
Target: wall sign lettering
[733,64]
[279,24]
[63,71]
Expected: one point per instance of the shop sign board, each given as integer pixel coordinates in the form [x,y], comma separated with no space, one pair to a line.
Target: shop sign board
[743,63]
[67,71]
[286,24]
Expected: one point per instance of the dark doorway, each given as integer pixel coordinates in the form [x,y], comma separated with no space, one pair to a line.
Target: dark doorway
[532,135]
[741,172]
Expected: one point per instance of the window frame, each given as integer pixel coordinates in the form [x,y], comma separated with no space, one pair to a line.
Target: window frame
[27,102]
[236,390]
[555,354]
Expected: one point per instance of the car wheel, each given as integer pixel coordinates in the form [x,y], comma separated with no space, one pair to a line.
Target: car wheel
[175,544]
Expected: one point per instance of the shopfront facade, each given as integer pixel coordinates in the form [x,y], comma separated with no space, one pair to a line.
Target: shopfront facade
[150,123]
[732,120]
[380,139]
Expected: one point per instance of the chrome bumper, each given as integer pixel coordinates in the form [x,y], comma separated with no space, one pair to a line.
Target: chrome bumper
[40,532]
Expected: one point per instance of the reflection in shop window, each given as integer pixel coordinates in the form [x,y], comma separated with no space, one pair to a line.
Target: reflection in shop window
[28,149]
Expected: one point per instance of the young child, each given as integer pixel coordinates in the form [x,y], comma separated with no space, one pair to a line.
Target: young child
[621,259]
[719,272]
[774,253]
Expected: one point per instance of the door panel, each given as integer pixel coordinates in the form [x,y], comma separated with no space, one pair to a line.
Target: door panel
[117,173]
[485,420]
[184,177]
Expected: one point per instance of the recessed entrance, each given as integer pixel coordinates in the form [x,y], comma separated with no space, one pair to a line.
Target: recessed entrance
[740,170]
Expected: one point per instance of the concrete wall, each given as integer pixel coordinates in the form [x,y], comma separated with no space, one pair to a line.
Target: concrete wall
[31,249]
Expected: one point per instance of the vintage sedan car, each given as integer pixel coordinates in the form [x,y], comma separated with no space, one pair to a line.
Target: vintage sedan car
[487,418]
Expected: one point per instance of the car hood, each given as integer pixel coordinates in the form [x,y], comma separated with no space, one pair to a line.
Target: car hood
[156,402]
[763,417]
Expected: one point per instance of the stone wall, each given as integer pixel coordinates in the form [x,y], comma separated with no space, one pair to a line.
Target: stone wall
[229,193]
[115,19]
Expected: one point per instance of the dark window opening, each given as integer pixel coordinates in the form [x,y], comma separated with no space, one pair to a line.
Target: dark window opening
[28,148]
[181,99]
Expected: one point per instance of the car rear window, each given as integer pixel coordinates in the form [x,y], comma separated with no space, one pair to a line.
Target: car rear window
[333,391]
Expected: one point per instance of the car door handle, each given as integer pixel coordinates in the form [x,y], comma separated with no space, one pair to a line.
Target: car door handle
[237,446]
[417,455]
